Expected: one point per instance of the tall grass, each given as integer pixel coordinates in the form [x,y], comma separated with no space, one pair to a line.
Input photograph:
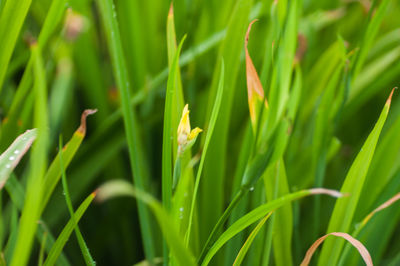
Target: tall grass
[216,140]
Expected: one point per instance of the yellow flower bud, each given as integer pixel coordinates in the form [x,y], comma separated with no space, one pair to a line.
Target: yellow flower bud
[186,136]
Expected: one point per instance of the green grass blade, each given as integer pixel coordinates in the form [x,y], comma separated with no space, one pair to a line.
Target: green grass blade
[168,134]
[210,130]
[54,172]
[52,21]
[243,251]
[259,213]
[82,244]
[344,210]
[11,21]
[370,34]
[67,231]
[31,210]
[116,188]
[168,131]
[10,158]
[211,203]
[110,24]
[276,185]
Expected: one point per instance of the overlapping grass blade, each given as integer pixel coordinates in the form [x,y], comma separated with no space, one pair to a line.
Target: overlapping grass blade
[245,248]
[82,244]
[67,231]
[259,213]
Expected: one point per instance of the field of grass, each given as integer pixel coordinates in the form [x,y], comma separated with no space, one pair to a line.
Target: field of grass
[214,132]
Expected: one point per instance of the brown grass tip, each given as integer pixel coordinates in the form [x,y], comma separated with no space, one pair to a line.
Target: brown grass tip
[86,113]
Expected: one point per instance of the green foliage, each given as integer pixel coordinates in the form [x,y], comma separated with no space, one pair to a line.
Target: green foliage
[320,73]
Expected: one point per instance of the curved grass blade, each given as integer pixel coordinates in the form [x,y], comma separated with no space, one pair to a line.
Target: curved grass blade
[11,157]
[136,153]
[357,244]
[82,244]
[344,210]
[116,188]
[66,232]
[54,172]
[210,130]
[258,213]
[249,241]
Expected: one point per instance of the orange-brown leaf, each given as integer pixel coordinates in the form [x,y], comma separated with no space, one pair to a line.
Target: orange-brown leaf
[254,88]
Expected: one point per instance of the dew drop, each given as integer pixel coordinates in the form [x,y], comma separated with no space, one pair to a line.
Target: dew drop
[252,188]
[181,209]
[16,151]
[8,166]
[11,158]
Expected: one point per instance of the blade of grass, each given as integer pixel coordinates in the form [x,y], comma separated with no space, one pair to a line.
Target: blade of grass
[82,244]
[116,188]
[359,227]
[344,210]
[17,195]
[259,213]
[54,172]
[31,210]
[52,21]
[369,36]
[210,130]
[168,135]
[12,18]
[168,131]
[243,251]
[10,158]
[211,203]
[67,231]
[136,154]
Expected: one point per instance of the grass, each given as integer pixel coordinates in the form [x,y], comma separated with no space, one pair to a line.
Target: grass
[302,105]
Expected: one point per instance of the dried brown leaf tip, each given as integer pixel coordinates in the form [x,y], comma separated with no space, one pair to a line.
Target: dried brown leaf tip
[255,90]
[82,128]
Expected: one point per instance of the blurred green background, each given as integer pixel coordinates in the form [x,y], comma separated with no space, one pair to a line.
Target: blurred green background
[79,75]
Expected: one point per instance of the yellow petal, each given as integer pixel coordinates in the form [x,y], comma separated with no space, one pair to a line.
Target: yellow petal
[184,126]
[194,133]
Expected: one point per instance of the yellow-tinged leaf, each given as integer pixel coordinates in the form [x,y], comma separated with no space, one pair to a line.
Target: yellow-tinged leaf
[255,90]
[186,136]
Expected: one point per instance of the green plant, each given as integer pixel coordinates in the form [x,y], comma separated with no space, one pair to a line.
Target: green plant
[286,110]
